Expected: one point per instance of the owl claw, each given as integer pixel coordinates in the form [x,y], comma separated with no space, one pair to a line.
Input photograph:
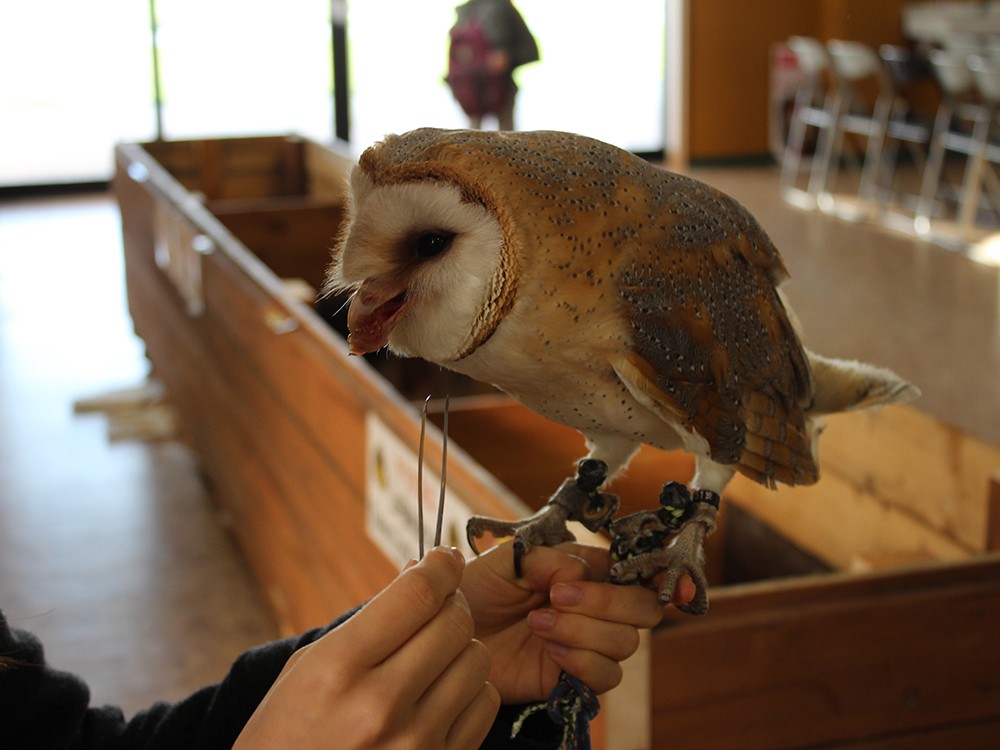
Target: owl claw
[546,528]
[637,544]
[576,500]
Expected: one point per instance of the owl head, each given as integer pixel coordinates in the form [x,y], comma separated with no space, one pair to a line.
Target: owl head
[423,251]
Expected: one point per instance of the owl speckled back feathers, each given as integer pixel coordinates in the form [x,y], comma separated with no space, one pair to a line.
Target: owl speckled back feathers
[694,275]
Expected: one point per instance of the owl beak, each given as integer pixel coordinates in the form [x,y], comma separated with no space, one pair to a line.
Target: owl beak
[375,310]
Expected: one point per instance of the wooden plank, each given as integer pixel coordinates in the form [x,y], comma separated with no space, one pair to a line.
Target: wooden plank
[840,523]
[993,525]
[896,485]
[285,555]
[178,355]
[247,167]
[292,237]
[286,361]
[831,660]
[909,460]
[327,171]
[283,503]
[213,171]
[966,736]
[293,167]
[752,551]
[322,497]
[236,430]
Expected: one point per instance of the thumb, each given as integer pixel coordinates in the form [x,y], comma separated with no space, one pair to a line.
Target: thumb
[403,607]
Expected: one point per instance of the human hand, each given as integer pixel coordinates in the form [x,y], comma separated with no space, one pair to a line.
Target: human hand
[403,671]
[560,615]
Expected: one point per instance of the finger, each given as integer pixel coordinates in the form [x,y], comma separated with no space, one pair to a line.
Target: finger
[598,559]
[594,670]
[412,670]
[613,640]
[456,686]
[401,609]
[634,605]
[543,567]
[471,727]
[685,590]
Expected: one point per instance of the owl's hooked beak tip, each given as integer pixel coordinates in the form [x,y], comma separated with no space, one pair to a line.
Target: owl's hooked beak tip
[375,310]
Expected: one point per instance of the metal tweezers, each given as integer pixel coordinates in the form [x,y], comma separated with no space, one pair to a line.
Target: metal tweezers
[420,478]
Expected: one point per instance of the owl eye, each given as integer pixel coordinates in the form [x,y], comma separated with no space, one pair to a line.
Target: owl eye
[430,244]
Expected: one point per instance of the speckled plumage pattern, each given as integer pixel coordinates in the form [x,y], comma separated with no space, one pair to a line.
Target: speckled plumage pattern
[632,304]
[673,279]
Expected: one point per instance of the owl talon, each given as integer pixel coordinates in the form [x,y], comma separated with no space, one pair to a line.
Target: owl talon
[479,525]
[519,553]
[576,500]
[678,564]
[640,547]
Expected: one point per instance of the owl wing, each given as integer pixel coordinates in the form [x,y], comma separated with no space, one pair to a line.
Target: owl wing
[713,347]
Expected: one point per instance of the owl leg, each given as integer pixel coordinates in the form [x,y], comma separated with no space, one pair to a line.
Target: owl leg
[710,478]
[688,556]
[578,499]
[667,541]
[614,451]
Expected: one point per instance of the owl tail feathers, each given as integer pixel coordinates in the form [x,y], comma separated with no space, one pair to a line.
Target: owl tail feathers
[842,385]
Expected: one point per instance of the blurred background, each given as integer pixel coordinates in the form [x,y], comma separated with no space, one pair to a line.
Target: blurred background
[86,77]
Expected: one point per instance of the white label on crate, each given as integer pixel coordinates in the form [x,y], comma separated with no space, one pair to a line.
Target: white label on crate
[391,497]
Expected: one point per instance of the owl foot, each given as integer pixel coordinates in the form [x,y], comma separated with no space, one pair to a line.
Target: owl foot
[641,544]
[577,499]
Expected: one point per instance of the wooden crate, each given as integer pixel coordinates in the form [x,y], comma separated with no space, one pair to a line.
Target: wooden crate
[858,613]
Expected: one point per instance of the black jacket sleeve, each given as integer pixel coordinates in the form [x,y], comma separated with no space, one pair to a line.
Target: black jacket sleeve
[42,708]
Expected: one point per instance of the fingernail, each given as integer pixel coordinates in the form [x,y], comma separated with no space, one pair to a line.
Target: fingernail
[565,595]
[541,619]
[453,551]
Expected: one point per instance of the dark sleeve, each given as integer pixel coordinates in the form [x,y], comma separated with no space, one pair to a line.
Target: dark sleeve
[45,709]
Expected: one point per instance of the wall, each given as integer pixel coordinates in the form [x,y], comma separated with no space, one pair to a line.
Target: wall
[728,54]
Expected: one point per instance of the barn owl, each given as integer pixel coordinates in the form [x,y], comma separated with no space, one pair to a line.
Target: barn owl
[602,292]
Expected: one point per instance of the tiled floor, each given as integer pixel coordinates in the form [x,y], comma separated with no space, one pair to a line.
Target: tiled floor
[113,554]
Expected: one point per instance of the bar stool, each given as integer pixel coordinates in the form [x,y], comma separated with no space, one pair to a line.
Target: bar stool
[811,109]
[985,149]
[961,126]
[883,119]
[907,127]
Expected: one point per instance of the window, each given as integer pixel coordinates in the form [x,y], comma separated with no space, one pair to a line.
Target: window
[78,77]
[601,72]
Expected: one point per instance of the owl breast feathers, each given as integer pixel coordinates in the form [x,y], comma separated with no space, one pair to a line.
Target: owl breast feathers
[634,304]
